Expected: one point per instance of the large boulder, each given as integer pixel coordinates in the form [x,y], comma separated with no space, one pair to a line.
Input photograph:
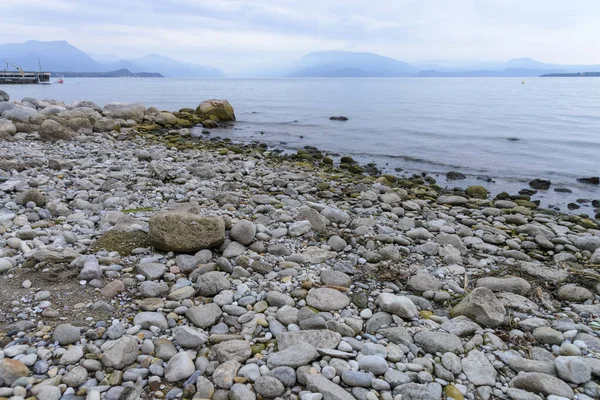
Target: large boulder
[52,131]
[83,112]
[118,110]
[184,232]
[4,96]
[52,110]
[165,118]
[7,128]
[85,104]
[107,125]
[23,115]
[79,125]
[5,106]
[216,110]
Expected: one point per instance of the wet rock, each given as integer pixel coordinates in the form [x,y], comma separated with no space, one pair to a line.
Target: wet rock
[540,184]
[216,110]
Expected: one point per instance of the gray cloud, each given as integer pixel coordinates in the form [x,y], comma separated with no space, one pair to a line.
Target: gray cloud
[237,34]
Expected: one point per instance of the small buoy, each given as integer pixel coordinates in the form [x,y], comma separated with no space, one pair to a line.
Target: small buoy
[60,81]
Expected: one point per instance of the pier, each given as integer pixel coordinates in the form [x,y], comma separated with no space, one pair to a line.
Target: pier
[22,77]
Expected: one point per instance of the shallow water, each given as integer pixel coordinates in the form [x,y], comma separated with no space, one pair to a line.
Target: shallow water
[498,127]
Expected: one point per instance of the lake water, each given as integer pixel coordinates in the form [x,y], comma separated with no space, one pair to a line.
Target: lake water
[497,127]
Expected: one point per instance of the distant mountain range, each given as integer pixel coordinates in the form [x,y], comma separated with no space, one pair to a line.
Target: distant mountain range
[345,64]
[349,64]
[60,56]
[121,73]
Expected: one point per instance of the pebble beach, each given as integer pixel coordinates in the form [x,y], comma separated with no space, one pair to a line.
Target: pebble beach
[139,261]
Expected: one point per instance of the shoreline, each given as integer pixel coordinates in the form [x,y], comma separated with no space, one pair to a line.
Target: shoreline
[140,261]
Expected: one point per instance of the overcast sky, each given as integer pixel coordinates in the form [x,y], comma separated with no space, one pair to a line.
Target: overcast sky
[236,34]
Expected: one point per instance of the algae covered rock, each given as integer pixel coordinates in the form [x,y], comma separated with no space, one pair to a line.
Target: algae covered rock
[478,192]
[217,110]
[210,124]
[107,125]
[123,241]
[184,232]
[165,118]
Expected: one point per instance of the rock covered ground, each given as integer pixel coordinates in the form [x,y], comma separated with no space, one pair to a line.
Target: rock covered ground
[139,262]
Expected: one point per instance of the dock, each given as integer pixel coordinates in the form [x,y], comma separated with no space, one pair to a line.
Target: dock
[22,77]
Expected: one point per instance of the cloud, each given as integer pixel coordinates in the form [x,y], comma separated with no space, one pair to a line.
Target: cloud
[233,33]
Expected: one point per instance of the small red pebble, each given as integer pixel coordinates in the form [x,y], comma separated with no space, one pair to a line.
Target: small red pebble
[174,269]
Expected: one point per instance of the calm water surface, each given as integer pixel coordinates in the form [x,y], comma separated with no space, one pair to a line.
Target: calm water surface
[496,127]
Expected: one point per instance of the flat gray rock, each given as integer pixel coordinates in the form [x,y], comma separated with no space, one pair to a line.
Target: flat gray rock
[482,307]
[478,369]
[294,356]
[326,299]
[336,353]
[330,391]
[439,342]
[204,316]
[316,338]
[541,383]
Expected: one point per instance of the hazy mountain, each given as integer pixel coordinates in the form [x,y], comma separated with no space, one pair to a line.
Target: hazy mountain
[54,56]
[60,56]
[169,67]
[163,65]
[509,72]
[528,63]
[104,58]
[349,64]
[513,68]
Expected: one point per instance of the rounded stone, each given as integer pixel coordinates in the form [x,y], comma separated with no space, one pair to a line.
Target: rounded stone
[326,299]
[269,387]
